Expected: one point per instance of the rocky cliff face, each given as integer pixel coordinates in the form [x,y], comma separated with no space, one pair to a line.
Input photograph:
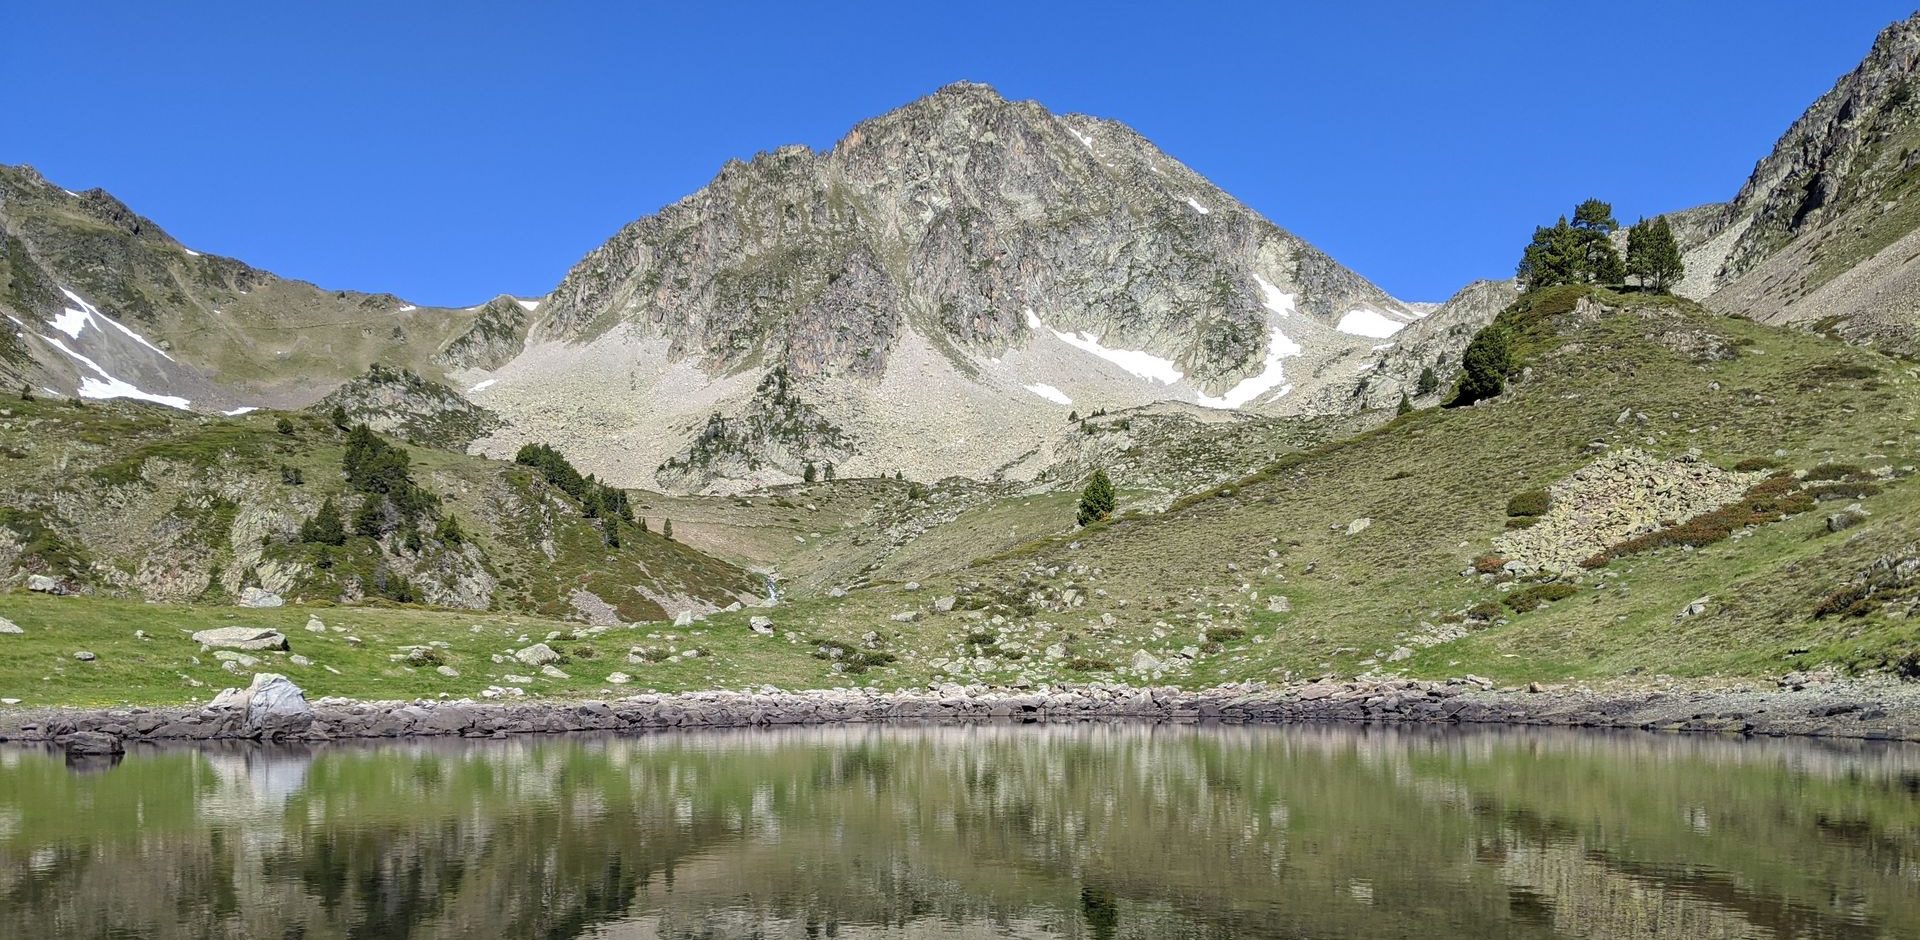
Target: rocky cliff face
[410,407]
[945,280]
[1822,231]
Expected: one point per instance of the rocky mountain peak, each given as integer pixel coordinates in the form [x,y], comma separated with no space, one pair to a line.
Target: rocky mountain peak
[1851,143]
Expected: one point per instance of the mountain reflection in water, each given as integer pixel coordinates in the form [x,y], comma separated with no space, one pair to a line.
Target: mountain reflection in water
[1074,831]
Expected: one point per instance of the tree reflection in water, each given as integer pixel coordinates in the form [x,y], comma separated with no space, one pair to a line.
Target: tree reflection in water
[1079,831]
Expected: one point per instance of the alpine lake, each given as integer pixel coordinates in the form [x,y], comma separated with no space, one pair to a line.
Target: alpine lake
[1093,830]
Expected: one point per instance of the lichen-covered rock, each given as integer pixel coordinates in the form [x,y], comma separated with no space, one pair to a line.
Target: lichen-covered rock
[539,654]
[242,638]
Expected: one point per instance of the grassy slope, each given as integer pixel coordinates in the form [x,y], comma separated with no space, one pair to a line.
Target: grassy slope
[1435,484]
[109,478]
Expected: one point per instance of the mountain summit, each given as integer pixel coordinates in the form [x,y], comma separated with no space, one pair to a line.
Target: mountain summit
[939,289]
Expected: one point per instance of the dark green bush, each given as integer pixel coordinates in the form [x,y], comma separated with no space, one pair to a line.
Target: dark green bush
[1531,502]
[1837,471]
[1524,600]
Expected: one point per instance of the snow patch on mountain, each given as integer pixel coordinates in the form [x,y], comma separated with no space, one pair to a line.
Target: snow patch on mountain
[1273,298]
[73,322]
[1272,375]
[1137,361]
[1197,207]
[1364,321]
[1049,393]
[107,386]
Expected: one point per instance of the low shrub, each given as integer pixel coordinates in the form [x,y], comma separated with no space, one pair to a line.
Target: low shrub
[1844,490]
[1752,464]
[1531,502]
[1837,471]
[1766,501]
[1530,598]
[1489,564]
[1484,611]
[1522,522]
[1084,664]
[1224,634]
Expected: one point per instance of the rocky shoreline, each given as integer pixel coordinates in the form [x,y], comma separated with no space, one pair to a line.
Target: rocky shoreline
[273,709]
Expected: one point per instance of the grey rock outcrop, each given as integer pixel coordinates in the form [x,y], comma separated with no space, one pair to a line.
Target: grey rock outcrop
[539,654]
[259,597]
[242,638]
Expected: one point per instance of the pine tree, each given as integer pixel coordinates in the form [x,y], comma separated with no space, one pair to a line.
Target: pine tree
[339,417]
[283,426]
[1097,500]
[326,527]
[1555,256]
[1406,405]
[26,393]
[1578,253]
[1484,366]
[810,473]
[1595,216]
[666,529]
[610,529]
[1653,256]
[1428,382]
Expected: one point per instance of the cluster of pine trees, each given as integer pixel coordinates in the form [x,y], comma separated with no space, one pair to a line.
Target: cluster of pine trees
[1577,252]
[597,500]
[1582,252]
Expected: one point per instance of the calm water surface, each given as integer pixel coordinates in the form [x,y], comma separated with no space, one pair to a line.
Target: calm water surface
[1094,831]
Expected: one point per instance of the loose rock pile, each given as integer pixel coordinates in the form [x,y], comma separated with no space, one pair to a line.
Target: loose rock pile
[1621,495]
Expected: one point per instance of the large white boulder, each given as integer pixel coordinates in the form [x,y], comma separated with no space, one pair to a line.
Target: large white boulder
[242,638]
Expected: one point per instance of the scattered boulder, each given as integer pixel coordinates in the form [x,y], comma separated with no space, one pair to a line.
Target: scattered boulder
[84,656]
[8,626]
[92,743]
[271,706]
[761,625]
[539,654]
[911,586]
[447,671]
[552,671]
[907,616]
[1279,604]
[945,604]
[1144,661]
[618,678]
[315,626]
[276,706]
[43,584]
[685,619]
[236,657]
[1694,609]
[242,638]
[1359,525]
[1846,519]
[259,597]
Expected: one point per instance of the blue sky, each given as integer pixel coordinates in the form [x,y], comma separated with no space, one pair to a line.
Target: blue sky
[448,152]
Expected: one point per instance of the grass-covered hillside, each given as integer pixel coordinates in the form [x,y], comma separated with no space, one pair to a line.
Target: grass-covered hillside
[1378,554]
[1657,490]
[128,500]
